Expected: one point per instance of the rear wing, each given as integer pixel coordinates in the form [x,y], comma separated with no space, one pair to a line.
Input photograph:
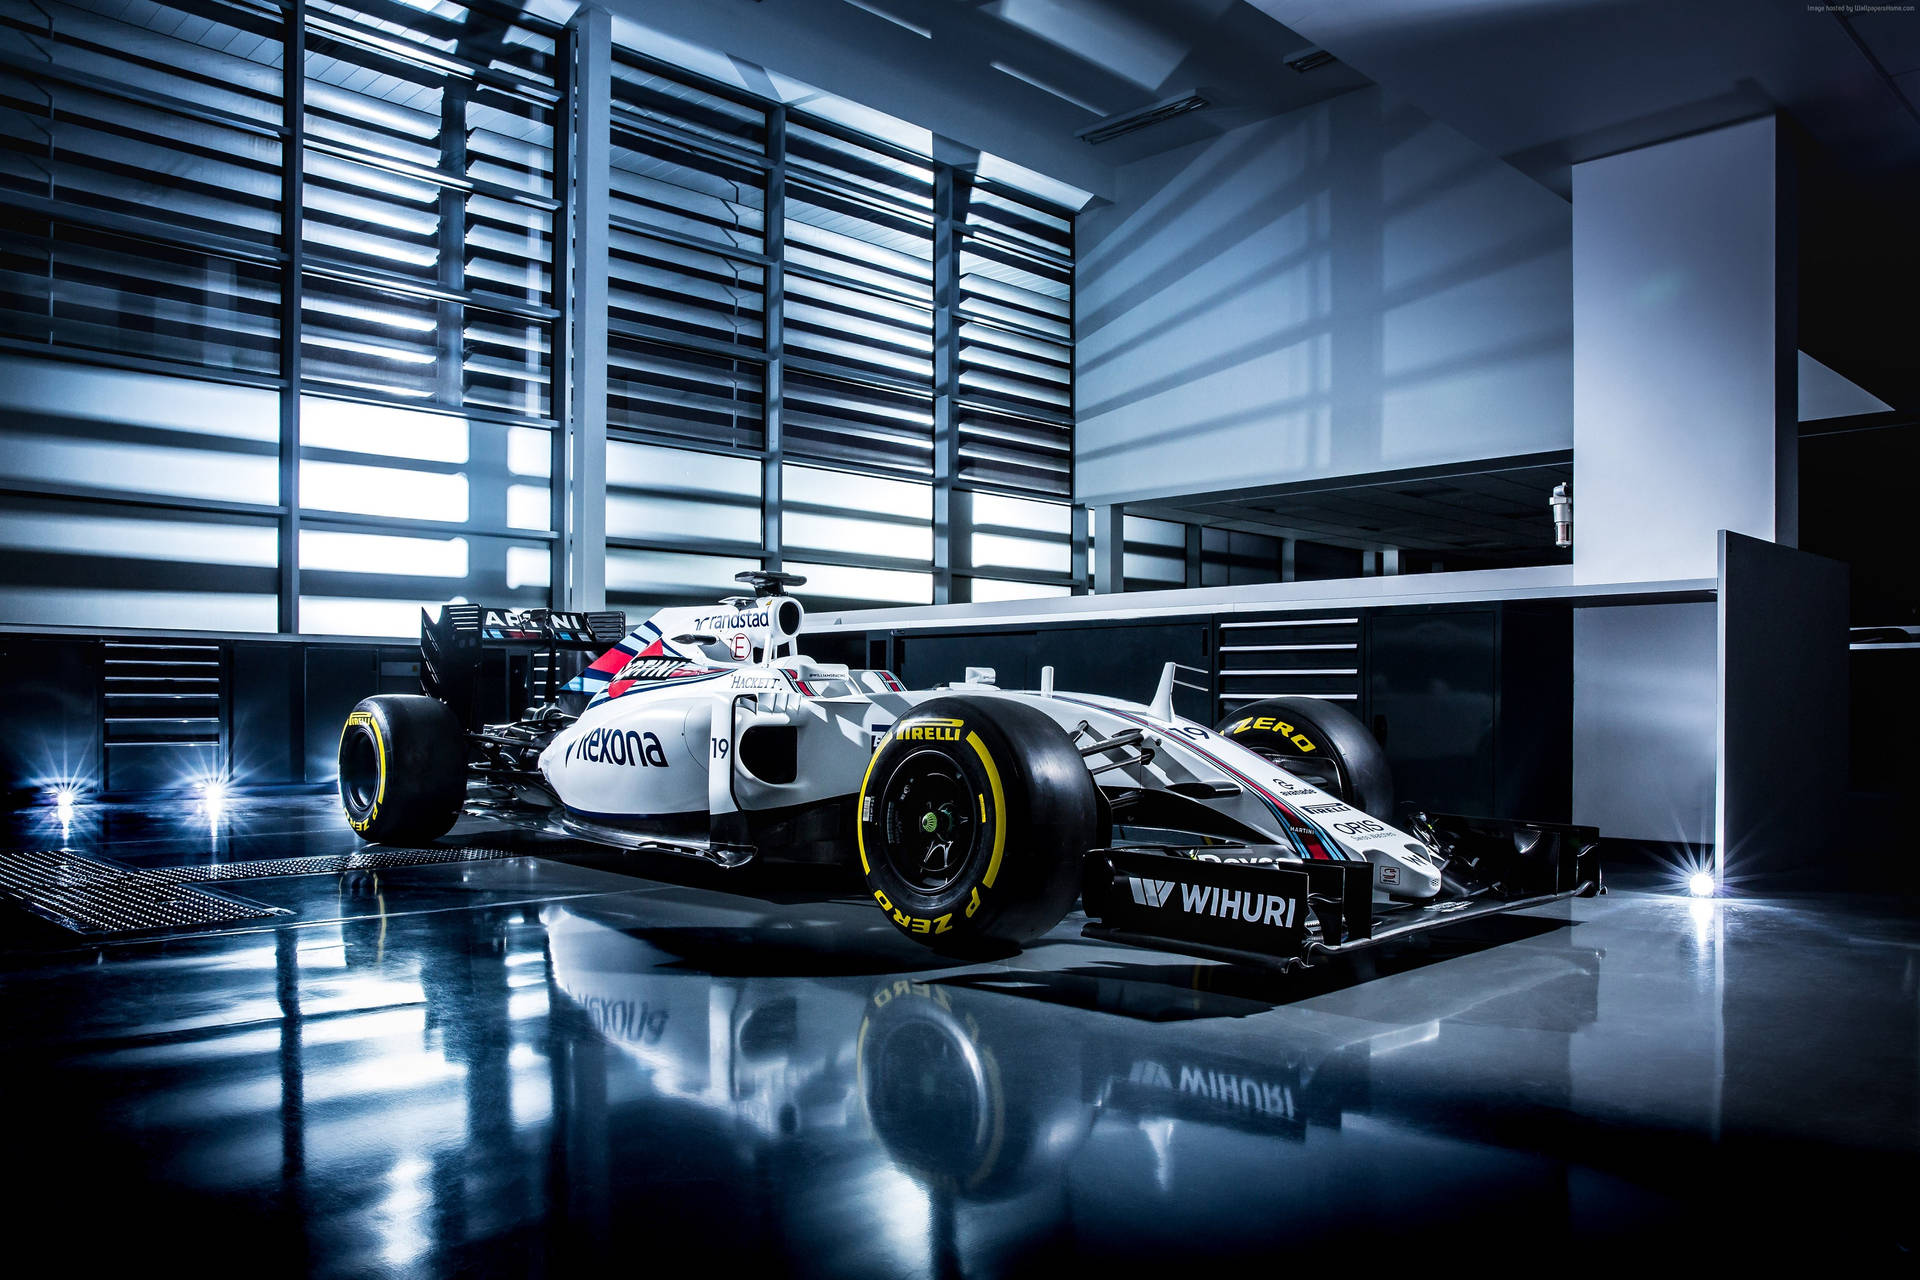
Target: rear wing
[491,664]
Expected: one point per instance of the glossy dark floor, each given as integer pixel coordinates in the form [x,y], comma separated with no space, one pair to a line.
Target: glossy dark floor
[549,1064]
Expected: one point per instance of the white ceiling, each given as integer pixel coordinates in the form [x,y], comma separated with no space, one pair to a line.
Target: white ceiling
[1547,83]
[1018,78]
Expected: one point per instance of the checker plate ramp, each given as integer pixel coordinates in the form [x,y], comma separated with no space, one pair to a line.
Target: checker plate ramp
[94,897]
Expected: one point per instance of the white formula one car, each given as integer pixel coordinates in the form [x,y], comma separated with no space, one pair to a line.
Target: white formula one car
[976,815]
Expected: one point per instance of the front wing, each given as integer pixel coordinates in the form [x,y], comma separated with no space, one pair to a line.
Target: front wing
[1278,911]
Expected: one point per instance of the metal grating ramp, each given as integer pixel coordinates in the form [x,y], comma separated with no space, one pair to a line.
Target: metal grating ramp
[96,897]
[93,897]
[327,864]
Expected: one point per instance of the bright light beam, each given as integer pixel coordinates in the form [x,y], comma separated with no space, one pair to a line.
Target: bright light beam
[214,794]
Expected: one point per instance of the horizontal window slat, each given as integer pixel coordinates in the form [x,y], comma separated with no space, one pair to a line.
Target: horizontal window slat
[675,393]
[704,112]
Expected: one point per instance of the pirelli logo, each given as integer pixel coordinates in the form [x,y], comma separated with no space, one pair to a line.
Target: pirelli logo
[930,730]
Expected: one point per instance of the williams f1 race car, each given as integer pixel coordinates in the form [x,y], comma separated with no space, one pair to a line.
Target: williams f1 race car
[975,815]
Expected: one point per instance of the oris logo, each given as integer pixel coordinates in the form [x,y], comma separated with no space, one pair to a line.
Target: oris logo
[628,747]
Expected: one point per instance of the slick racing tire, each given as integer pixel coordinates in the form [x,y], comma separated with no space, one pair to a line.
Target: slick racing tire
[974,818]
[403,768]
[1323,743]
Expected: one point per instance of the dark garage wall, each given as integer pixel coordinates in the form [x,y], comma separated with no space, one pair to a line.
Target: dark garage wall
[277,712]
[1473,704]
[1118,659]
[49,714]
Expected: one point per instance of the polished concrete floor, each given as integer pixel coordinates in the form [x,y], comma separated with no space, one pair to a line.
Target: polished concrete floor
[563,1063]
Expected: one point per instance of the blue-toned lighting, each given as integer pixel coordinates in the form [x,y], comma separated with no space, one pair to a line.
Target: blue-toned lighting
[1700,884]
[214,793]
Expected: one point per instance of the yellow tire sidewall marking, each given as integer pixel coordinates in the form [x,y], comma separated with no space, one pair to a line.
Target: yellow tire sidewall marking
[999,809]
[380,753]
[860,807]
[1273,724]
[860,831]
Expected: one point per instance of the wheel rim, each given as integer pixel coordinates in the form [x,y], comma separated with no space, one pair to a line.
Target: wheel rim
[359,771]
[930,824]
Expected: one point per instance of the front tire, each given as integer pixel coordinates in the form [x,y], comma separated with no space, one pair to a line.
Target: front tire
[1321,742]
[403,768]
[974,818]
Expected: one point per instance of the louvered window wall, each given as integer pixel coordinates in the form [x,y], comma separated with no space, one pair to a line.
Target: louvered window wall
[772,300]
[428,309]
[141,180]
[285,352]
[857,327]
[222,287]
[1015,344]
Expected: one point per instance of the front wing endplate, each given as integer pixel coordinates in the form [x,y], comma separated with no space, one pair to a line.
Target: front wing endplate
[1274,912]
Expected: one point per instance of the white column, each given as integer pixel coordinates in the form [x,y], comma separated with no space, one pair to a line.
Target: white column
[1685,417]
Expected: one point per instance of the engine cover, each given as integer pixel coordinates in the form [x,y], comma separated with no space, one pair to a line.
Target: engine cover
[633,758]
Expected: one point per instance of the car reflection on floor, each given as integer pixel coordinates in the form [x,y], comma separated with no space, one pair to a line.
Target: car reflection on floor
[963,1088]
[551,1064]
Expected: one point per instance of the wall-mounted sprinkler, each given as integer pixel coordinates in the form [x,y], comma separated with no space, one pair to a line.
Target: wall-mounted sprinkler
[1561,504]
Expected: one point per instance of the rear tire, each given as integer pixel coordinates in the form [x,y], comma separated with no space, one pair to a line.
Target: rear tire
[1321,741]
[403,768]
[974,819]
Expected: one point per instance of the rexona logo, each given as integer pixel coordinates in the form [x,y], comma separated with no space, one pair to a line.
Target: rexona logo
[931,730]
[629,747]
[623,1019]
[1246,905]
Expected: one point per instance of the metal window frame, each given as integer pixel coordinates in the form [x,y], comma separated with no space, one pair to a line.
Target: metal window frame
[576,323]
[295,264]
[951,504]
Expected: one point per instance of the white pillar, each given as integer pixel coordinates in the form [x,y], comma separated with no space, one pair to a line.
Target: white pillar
[1685,414]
